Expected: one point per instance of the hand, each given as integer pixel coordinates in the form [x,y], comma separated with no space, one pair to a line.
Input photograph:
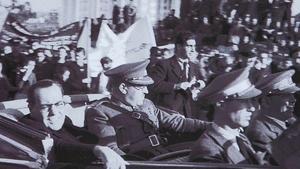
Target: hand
[183,85]
[27,74]
[260,157]
[111,159]
[41,162]
[87,80]
[196,88]
[197,84]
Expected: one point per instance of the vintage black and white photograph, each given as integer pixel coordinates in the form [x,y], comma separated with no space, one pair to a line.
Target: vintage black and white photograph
[149,84]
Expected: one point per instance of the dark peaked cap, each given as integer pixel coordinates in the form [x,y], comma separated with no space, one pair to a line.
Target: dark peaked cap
[278,83]
[134,73]
[232,85]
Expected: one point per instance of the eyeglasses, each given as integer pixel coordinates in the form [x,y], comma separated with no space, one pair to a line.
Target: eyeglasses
[140,87]
[251,109]
[47,107]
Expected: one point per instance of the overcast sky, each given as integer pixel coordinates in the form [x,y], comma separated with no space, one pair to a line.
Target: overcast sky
[296,7]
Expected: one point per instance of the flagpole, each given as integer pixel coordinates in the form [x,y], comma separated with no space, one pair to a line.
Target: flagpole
[88,25]
[84,41]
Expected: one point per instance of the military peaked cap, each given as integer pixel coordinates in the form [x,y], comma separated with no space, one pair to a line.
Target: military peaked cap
[133,73]
[232,85]
[277,83]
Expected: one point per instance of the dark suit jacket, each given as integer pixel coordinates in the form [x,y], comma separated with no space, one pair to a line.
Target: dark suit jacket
[213,147]
[262,131]
[166,74]
[67,142]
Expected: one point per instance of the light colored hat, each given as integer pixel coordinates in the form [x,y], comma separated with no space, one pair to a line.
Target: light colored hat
[134,73]
[228,86]
[278,83]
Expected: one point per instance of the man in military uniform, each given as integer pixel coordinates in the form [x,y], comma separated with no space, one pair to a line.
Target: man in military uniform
[285,149]
[130,124]
[45,102]
[277,106]
[224,142]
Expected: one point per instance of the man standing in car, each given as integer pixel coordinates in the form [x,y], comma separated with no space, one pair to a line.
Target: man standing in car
[174,77]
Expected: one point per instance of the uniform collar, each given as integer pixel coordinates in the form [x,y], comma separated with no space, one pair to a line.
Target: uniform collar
[232,152]
[277,121]
[228,134]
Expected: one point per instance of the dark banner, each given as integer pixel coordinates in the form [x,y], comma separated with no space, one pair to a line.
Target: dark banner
[13,33]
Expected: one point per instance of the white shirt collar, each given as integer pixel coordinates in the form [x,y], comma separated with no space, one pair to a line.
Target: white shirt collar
[229,134]
[183,60]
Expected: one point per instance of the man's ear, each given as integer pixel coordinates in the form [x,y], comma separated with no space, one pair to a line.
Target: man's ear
[123,88]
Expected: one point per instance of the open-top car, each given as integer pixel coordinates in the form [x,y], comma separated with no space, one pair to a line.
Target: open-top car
[23,146]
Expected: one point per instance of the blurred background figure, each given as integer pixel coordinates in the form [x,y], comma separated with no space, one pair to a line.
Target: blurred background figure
[63,77]
[10,63]
[5,87]
[25,78]
[99,83]
[79,72]
[44,66]
[130,13]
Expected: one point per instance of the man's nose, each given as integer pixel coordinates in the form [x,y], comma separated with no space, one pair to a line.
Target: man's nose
[53,110]
[193,49]
[145,90]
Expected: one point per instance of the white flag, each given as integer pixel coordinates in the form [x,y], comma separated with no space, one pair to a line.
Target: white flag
[108,44]
[141,38]
[131,46]
[3,15]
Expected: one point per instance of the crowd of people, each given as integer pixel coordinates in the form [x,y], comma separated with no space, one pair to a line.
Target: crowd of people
[235,34]
[67,66]
[232,34]
[229,85]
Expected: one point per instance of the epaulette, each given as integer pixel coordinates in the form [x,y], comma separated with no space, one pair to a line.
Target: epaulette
[96,103]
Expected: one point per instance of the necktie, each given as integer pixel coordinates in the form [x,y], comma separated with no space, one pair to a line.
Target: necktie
[185,70]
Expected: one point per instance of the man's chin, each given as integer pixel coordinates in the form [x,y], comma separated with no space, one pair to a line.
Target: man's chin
[55,125]
[55,128]
[245,124]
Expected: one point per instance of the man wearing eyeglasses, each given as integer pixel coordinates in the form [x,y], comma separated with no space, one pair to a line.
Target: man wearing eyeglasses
[71,144]
[131,124]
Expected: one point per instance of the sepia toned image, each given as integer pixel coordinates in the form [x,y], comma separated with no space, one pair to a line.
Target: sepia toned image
[149,84]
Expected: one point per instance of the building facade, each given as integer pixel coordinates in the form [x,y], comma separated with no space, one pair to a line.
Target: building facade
[75,10]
